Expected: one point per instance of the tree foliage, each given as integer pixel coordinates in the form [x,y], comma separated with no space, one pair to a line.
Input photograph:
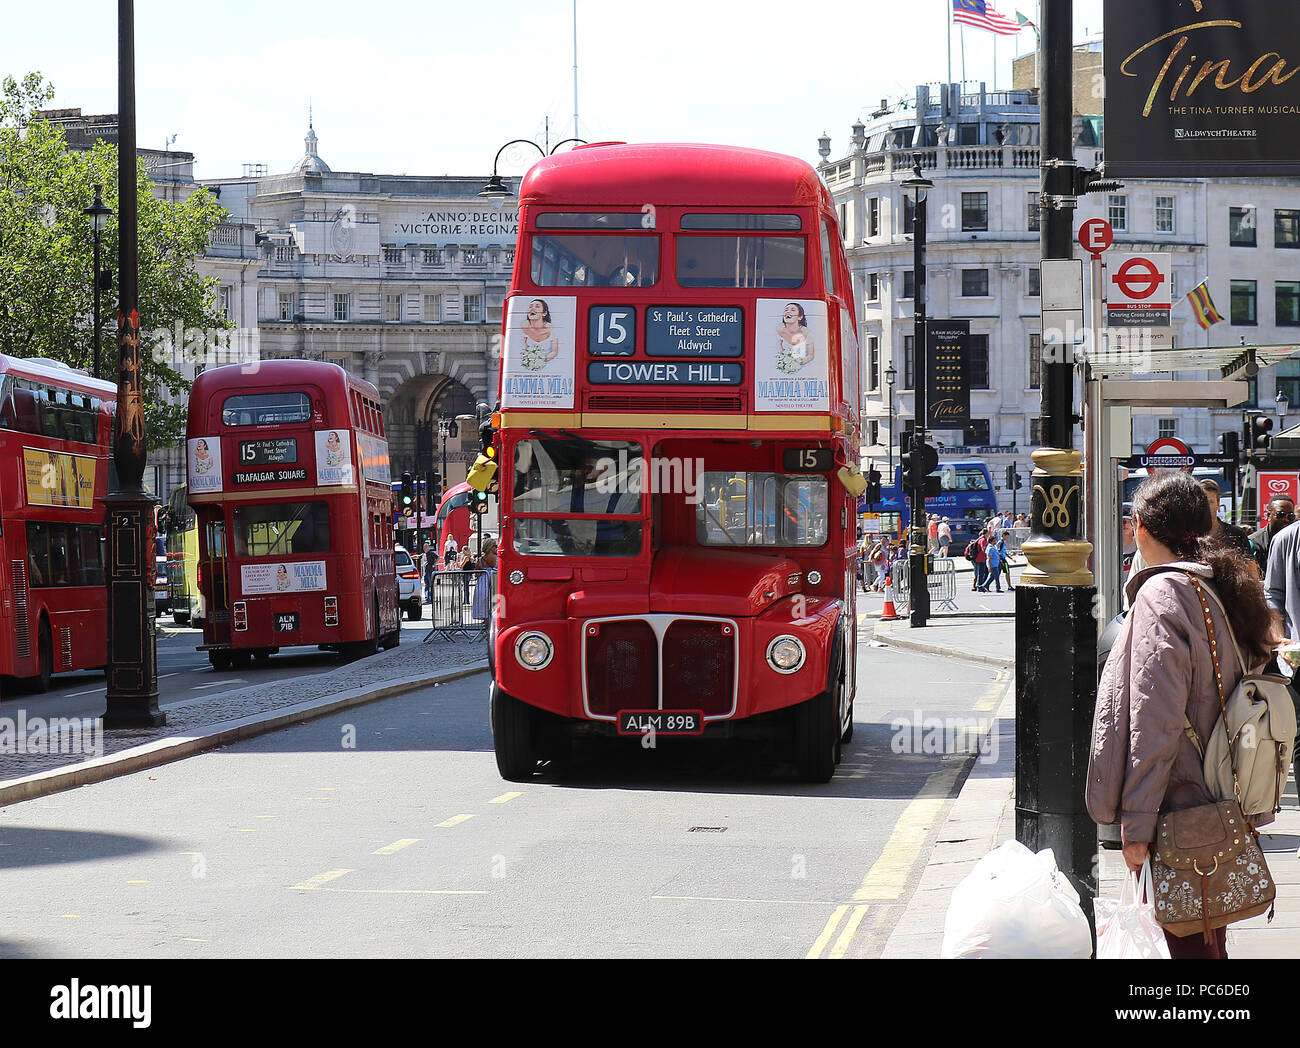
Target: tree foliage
[46,256]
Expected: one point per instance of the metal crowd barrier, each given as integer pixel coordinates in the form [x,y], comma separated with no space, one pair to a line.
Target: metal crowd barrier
[453,605]
[941,581]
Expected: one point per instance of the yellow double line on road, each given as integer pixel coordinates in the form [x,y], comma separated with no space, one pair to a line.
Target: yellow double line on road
[888,875]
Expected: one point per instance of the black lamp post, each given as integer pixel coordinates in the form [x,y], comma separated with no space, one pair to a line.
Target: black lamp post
[921,456]
[98,215]
[890,376]
[132,671]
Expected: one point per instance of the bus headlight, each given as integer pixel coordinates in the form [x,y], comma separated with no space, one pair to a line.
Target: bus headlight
[785,654]
[534,650]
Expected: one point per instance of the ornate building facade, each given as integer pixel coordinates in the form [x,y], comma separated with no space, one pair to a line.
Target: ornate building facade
[400,279]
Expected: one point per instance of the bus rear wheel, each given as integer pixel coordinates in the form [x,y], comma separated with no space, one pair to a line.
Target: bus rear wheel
[221,660]
[513,736]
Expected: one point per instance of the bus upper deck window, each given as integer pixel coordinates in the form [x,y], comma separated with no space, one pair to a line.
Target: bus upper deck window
[740,261]
[734,220]
[595,261]
[260,409]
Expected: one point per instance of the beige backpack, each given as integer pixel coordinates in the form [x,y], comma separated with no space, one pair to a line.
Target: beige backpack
[1256,732]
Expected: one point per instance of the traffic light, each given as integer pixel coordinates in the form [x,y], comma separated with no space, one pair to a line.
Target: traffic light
[485,466]
[1014,483]
[480,502]
[873,486]
[433,494]
[1257,432]
[1230,444]
[408,491]
[918,464]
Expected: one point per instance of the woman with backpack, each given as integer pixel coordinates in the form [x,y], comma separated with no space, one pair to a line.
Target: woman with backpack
[1161,671]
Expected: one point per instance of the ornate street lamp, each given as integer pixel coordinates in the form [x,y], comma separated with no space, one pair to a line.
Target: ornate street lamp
[98,215]
[496,191]
[1282,404]
[918,459]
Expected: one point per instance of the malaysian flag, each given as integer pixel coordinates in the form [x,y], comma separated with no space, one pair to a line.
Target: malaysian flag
[982,16]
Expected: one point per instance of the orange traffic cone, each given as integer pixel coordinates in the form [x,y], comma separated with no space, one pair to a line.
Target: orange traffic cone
[888,614]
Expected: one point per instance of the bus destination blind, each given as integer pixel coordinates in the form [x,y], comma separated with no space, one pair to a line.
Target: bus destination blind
[694,331]
[277,451]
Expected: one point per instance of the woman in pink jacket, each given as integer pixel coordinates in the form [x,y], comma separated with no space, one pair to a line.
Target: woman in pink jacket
[1161,668]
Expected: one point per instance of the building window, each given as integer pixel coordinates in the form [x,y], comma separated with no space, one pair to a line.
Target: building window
[223,301]
[1243,303]
[974,283]
[342,307]
[432,308]
[1035,361]
[873,287]
[1286,228]
[909,345]
[1034,202]
[393,309]
[394,256]
[979,362]
[873,356]
[909,214]
[1033,286]
[1166,427]
[431,256]
[286,305]
[873,217]
[974,211]
[909,283]
[873,434]
[1288,379]
[508,257]
[1117,212]
[1241,226]
[1287,303]
[1035,431]
[1165,214]
[976,435]
[473,309]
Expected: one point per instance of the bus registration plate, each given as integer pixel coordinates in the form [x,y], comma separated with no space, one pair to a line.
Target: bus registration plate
[661,722]
[286,621]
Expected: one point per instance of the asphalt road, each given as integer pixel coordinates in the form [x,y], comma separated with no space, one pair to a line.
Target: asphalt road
[387,832]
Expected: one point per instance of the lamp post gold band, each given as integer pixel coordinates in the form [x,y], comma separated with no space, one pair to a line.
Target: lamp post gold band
[1056,554]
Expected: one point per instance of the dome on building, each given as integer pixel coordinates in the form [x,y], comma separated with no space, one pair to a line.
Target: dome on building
[311,163]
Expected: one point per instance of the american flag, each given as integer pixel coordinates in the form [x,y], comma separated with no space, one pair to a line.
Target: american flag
[982,16]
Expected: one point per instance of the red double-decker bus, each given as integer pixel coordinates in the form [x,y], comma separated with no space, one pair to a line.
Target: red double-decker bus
[678,421]
[288,476]
[55,438]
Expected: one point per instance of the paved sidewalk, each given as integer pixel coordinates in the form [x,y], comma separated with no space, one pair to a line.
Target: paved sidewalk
[209,722]
[983,817]
[973,637]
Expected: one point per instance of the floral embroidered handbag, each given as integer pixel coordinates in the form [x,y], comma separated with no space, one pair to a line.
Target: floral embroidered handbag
[1208,867]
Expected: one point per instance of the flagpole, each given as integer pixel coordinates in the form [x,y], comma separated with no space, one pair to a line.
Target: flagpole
[947,87]
[995,61]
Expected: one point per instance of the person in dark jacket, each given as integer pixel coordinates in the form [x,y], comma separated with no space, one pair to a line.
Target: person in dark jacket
[1277,515]
[1228,534]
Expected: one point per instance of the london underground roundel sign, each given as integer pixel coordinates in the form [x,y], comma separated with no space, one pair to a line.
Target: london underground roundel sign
[1168,453]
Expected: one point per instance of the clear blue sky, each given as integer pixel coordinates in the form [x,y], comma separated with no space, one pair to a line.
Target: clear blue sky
[436,86]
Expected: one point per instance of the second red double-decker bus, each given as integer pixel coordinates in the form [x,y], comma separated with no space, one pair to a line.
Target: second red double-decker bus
[55,431]
[677,445]
[288,475]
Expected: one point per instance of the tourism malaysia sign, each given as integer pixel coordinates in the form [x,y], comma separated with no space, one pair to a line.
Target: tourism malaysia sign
[1201,88]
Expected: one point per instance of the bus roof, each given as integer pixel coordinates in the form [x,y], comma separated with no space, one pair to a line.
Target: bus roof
[688,173]
[56,373]
[283,373]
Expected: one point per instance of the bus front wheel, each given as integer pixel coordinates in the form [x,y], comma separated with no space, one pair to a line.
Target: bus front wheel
[44,658]
[817,735]
[513,736]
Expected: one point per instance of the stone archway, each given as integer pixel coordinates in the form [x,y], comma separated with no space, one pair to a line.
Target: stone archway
[412,415]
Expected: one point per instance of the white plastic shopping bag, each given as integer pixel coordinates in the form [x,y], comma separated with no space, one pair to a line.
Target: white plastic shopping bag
[1127,930]
[1015,904]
